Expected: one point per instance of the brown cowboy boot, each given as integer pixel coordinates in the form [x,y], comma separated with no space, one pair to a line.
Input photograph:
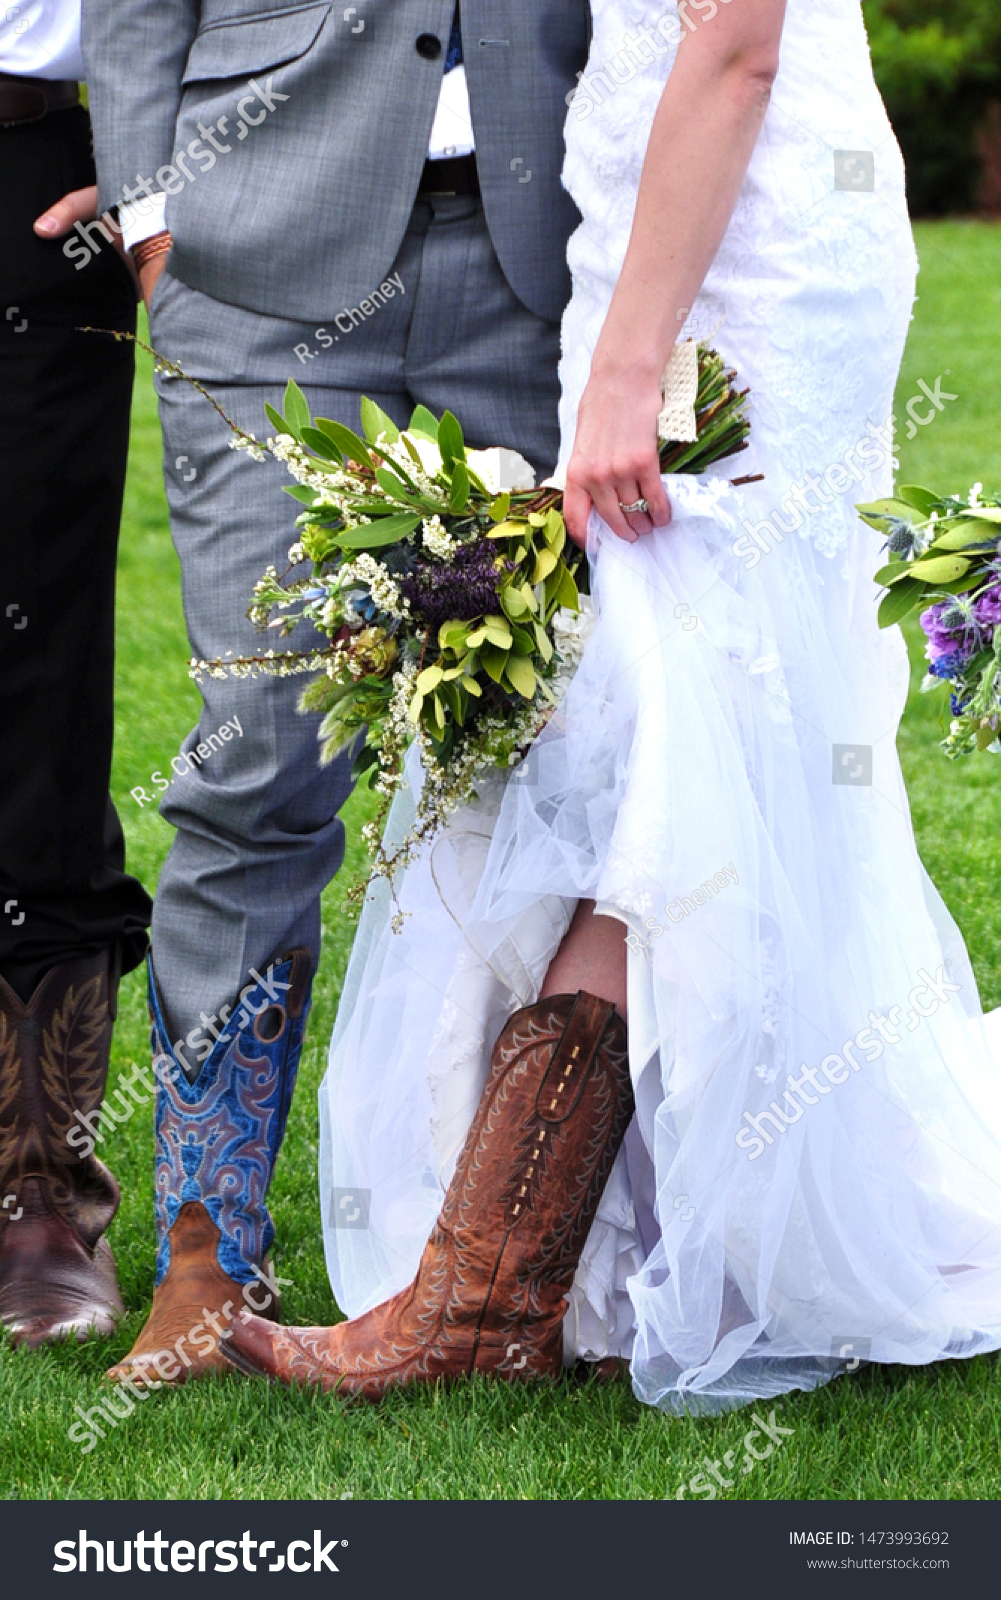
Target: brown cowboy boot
[194,1308]
[218,1133]
[57,1272]
[490,1292]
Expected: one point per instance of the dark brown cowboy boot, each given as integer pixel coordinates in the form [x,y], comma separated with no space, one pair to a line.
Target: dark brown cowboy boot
[57,1273]
[490,1292]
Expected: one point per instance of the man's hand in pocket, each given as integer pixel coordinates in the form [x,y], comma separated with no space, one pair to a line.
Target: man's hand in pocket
[80,205]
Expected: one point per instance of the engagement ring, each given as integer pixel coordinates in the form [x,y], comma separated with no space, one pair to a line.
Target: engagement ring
[637,505]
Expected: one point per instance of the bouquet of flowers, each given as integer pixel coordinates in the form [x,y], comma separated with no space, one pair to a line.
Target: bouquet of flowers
[445,584]
[947,551]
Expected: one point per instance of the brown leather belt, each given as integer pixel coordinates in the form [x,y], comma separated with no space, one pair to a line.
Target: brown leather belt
[30,99]
[451,175]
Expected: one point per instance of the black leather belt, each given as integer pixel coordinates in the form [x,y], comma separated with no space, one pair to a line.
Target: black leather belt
[30,99]
[451,175]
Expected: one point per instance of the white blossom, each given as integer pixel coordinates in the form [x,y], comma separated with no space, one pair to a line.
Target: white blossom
[437,539]
[500,469]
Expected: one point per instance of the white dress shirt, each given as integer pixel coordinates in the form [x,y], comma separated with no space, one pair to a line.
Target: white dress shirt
[452,130]
[41,38]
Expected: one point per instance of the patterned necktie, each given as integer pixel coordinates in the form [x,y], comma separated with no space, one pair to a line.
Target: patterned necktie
[453,55]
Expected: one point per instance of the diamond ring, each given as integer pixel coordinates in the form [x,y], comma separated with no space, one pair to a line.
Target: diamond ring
[637,505]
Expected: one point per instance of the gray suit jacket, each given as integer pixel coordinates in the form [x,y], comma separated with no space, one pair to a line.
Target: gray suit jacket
[290,138]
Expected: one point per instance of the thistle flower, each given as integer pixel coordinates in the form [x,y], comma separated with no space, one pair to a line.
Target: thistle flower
[901,539]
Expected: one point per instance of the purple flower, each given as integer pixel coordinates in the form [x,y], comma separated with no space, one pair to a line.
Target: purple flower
[987,607]
[465,589]
[942,642]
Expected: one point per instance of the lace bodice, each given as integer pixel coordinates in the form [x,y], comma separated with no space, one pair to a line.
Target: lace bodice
[806,249]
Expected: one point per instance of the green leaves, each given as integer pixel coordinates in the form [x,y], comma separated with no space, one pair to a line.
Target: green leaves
[348,443]
[960,538]
[392,483]
[983,513]
[450,441]
[566,594]
[459,494]
[499,508]
[939,569]
[521,676]
[493,630]
[278,421]
[375,535]
[892,573]
[296,408]
[376,422]
[481,677]
[950,553]
[424,423]
[901,599]
[923,500]
[878,512]
[429,679]
[321,444]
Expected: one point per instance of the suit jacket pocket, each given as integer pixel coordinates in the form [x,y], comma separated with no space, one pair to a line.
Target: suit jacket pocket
[254,43]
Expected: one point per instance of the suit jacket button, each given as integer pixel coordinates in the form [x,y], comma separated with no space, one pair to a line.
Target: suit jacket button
[428,46]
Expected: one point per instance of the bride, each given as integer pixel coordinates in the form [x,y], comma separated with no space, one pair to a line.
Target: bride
[791,1161]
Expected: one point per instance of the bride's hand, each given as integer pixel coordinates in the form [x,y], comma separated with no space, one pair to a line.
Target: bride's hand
[615,460]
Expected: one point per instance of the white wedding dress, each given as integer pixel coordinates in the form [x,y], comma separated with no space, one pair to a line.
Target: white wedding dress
[695,764]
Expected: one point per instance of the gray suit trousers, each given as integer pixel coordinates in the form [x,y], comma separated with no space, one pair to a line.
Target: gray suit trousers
[258,833]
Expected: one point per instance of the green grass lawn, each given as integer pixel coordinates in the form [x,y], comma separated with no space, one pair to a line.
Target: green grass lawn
[890,1433]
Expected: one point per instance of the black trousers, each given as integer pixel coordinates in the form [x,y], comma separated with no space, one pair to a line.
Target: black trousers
[64,429]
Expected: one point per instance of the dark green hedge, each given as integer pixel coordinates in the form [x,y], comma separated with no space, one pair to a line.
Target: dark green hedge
[938,65]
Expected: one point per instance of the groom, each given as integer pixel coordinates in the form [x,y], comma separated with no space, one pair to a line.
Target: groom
[367,197]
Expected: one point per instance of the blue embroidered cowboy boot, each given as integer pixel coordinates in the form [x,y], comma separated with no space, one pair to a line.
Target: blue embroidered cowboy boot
[219,1127]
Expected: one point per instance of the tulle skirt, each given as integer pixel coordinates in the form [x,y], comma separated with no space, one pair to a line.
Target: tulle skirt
[813,1174]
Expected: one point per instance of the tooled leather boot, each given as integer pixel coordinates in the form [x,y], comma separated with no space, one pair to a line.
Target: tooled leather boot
[490,1292]
[57,1272]
[218,1132]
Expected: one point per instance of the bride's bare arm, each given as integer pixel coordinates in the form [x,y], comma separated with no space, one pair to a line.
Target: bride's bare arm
[700,146]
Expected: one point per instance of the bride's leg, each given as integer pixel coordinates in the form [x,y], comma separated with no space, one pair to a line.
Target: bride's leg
[592,957]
